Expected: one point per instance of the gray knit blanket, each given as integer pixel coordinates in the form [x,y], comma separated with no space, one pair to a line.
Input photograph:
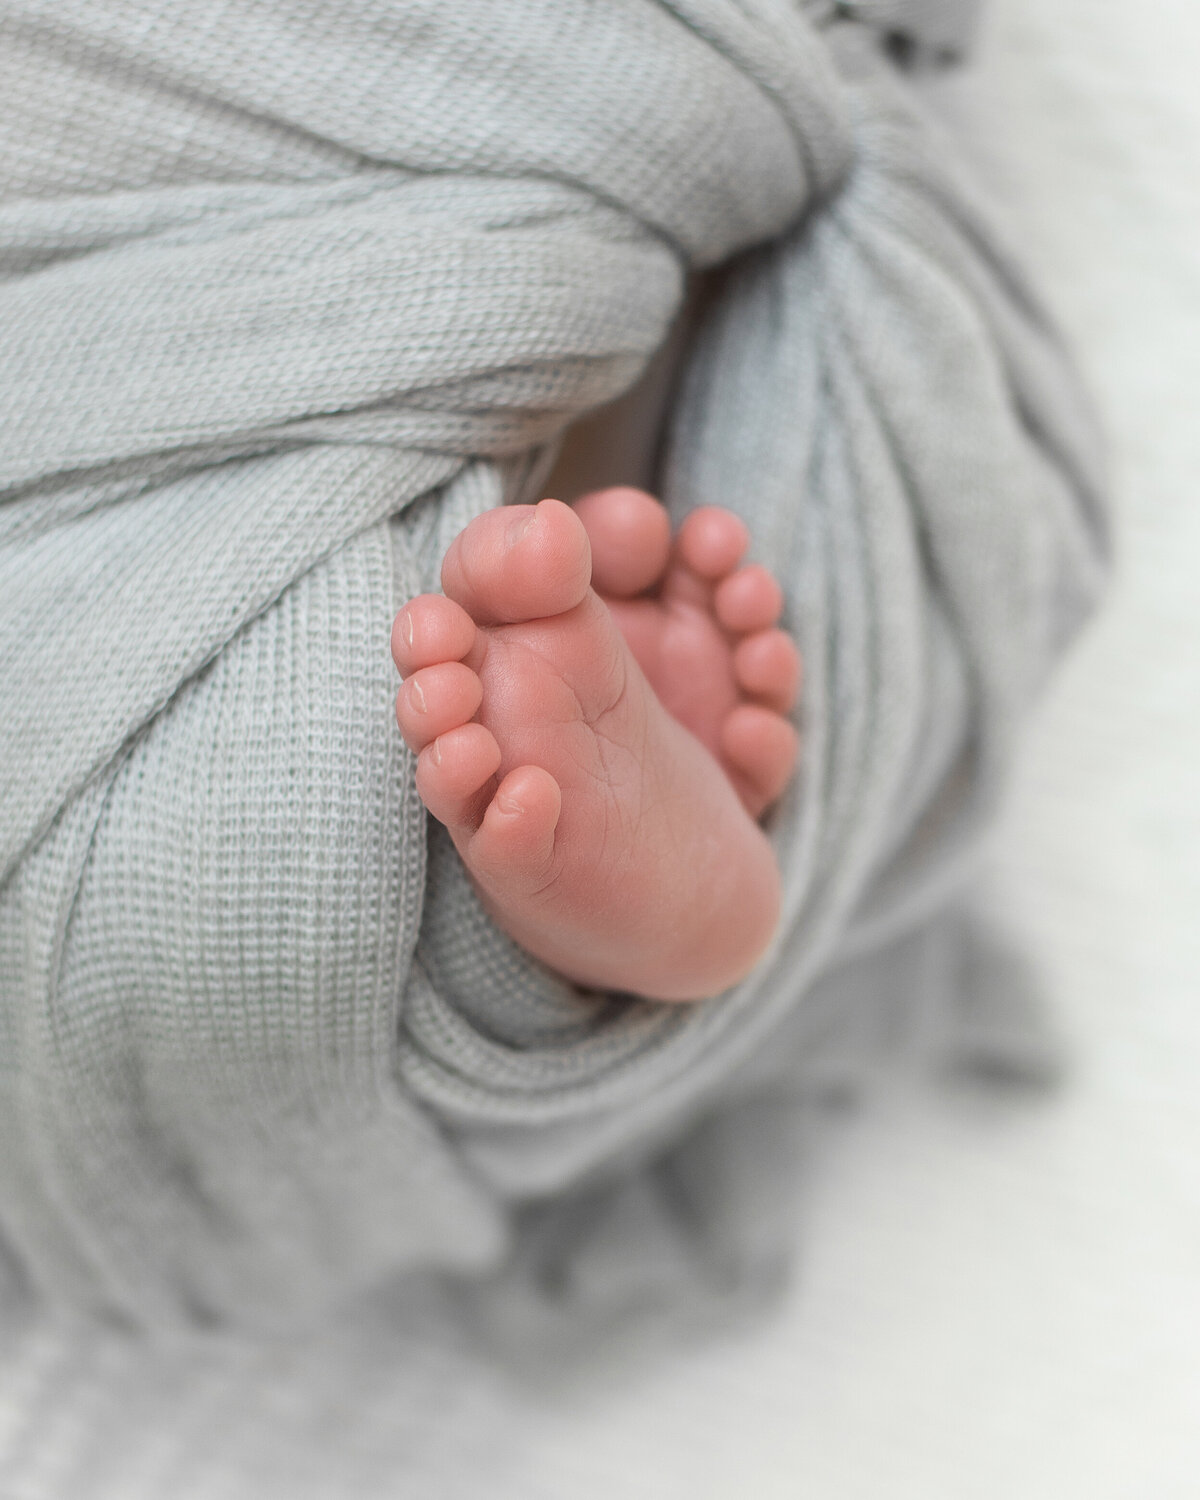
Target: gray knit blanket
[290,291]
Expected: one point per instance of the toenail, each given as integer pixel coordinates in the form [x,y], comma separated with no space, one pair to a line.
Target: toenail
[508,804]
[407,628]
[416,696]
[435,752]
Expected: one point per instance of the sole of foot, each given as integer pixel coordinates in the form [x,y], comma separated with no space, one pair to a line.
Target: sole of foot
[599,754]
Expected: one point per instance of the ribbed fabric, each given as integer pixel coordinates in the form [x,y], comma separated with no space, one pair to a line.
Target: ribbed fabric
[292,290]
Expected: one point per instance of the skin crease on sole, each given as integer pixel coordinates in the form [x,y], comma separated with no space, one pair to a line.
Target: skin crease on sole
[598,710]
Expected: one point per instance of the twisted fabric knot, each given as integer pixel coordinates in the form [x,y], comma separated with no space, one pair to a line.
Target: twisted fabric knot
[387,251]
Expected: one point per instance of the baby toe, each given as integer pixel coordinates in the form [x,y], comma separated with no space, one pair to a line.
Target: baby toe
[749,599]
[436,699]
[519,562]
[515,840]
[761,746]
[454,772]
[630,536]
[767,666]
[712,541]
[430,629]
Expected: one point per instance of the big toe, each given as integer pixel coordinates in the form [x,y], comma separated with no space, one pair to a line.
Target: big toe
[630,536]
[519,562]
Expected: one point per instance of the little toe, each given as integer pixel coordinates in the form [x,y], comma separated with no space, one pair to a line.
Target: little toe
[630,536]
[767,666]
[749,599]
[436,699]
[454,774]
[430,629]
[516,837]
[762,747]
[519,562]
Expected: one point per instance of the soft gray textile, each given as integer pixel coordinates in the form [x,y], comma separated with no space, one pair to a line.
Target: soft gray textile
[290,292]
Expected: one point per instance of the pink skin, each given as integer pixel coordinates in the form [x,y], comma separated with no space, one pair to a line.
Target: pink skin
[598,716]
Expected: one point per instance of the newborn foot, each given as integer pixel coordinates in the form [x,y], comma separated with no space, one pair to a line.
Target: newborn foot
[605,836]
[704,631]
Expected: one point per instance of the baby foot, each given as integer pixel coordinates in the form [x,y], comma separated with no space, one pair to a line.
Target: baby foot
[703,630]
[602,834]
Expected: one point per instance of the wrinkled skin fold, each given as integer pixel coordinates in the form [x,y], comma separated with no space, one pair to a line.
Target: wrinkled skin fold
[290,293]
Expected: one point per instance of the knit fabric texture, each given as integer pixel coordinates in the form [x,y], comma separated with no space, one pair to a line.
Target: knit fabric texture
[292,290]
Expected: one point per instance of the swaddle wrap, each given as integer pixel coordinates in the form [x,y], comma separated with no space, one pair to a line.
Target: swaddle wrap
[292,291]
